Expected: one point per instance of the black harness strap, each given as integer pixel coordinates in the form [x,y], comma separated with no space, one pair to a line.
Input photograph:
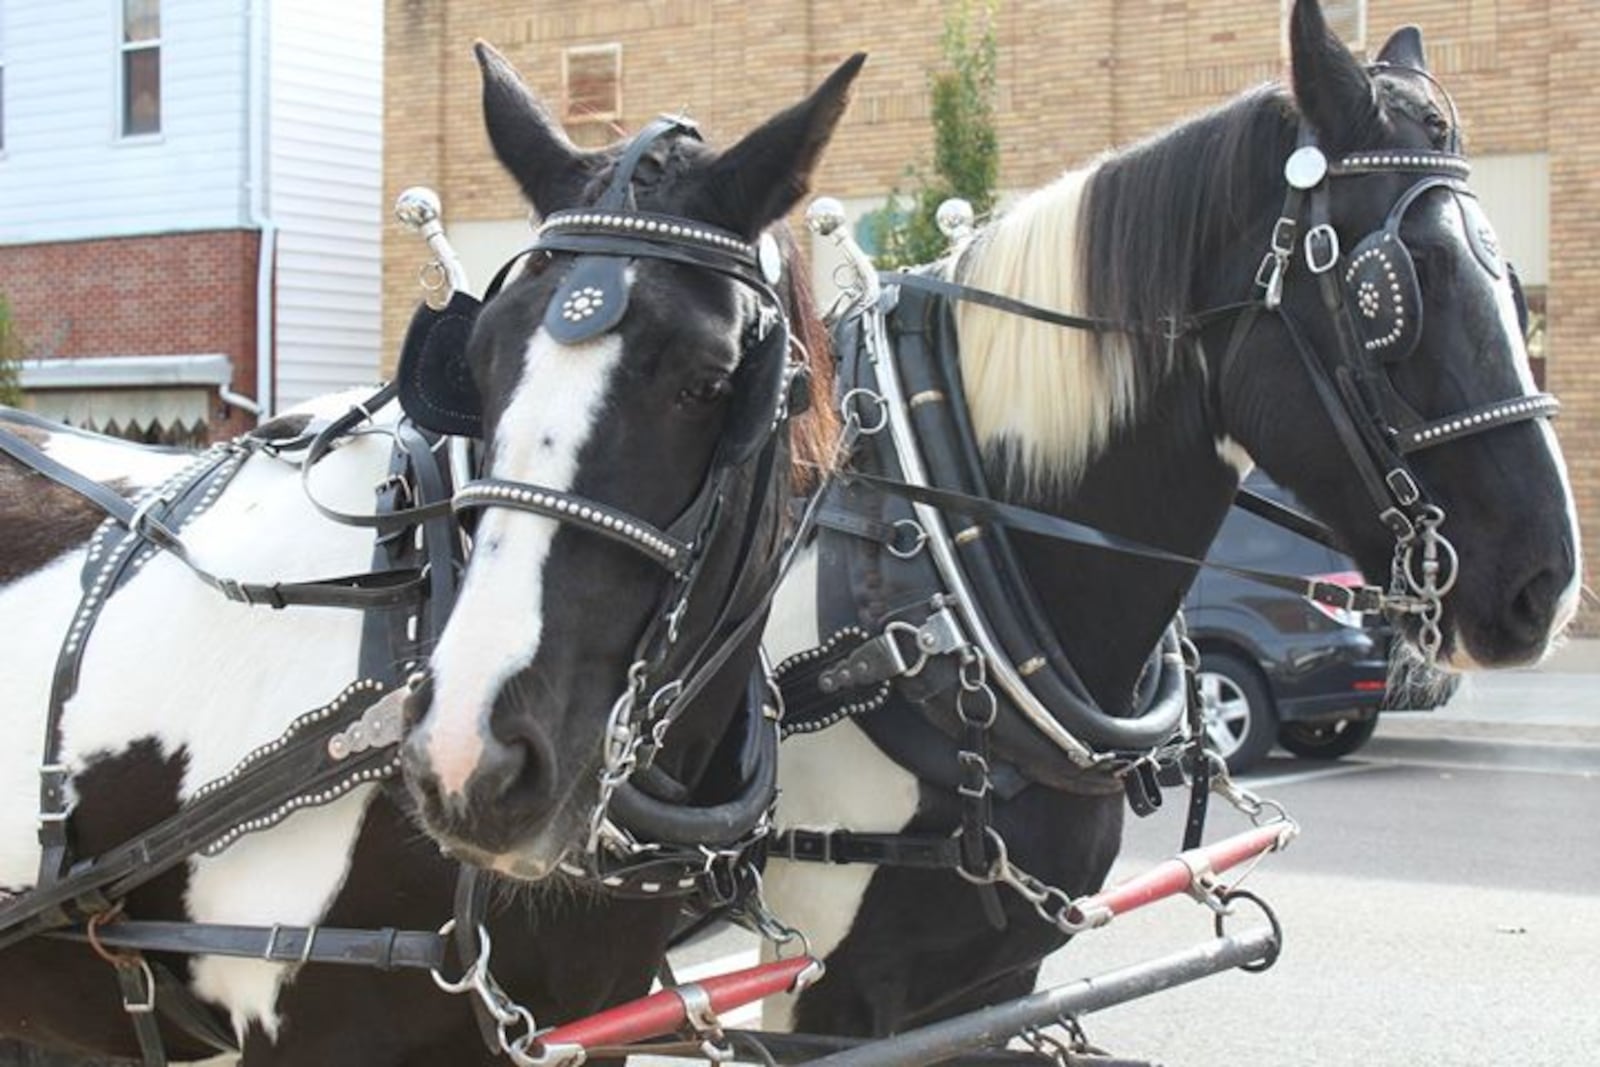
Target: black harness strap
[1060,529]
[386,949]
[359,591]
[298,770]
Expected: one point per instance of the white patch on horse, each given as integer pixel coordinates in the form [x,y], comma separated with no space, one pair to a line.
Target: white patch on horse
[1455,223]
[497,623]
[170,659]
[1234,455]
[109,459]
[832,779]
[1027,381]
[1567,603]
[835,779]
[35,611]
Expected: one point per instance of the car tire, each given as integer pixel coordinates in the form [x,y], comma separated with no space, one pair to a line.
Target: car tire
[1327,740]
[1241,721]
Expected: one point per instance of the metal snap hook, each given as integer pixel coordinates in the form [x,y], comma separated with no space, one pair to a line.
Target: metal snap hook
[847,408]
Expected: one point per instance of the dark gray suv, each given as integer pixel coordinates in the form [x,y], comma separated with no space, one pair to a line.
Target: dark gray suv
[1279,668]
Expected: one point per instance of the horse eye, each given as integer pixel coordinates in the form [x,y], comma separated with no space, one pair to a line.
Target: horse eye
[1438,127]
[706,390]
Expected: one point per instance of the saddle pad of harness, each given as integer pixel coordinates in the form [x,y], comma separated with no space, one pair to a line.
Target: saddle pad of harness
[436,386]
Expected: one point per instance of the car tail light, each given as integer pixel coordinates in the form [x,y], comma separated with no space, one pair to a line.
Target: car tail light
[1350,580]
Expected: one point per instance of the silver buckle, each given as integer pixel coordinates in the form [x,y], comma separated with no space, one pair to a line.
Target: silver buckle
[1322,236]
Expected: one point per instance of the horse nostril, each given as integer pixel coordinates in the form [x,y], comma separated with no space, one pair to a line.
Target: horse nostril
[1533,606]
[516,773]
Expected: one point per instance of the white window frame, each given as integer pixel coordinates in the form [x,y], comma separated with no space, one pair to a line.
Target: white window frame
[1356,44]
[614,50]
[2,81]
[119,76]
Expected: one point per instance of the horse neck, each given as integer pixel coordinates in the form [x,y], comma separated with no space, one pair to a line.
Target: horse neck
[1162,482]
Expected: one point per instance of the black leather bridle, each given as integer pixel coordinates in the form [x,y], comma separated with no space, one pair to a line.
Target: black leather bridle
[668,671]
[1373,299]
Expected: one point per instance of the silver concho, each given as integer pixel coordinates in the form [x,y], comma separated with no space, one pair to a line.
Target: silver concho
[1306,167]
[380,726]
[582,304]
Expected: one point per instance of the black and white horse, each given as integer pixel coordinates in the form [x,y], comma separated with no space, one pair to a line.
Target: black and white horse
[1148,438]
[178,684]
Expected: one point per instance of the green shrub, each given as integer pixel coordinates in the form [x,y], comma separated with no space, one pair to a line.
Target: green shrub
[966,148]
[10,352]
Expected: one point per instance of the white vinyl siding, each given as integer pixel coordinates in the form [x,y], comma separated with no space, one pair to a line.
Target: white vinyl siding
[68,174]
[325,186]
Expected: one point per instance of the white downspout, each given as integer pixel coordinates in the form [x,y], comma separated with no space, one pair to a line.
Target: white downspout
[257,87]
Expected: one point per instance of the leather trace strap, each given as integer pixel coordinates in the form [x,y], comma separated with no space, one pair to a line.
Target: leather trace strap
[386,948]
[1361,598]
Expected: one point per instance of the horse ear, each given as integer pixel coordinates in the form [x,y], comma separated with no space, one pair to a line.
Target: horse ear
[1404,49]
[758,180]
[1331,87]
[527,141]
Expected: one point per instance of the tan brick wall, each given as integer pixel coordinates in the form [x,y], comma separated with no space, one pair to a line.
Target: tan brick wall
[1075,79]
[1574,299]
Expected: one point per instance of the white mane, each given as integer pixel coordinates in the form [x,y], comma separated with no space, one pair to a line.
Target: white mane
[1041,388]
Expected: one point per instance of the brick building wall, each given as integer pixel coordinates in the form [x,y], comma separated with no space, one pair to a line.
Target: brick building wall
[173,294]
[1074,80]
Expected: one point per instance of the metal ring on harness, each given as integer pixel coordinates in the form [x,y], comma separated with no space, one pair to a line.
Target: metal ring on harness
[1228,896]
[92,931]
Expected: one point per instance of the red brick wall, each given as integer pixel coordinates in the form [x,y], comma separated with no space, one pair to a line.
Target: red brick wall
[172,294]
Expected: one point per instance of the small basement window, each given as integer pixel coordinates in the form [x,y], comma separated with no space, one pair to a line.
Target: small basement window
[591,83]
[165,400]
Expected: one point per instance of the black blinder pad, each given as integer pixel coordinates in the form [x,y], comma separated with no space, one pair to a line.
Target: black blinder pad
[436,386]
[757,389]
[1383,296]
[591,300]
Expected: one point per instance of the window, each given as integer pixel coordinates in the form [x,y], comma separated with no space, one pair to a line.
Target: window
[591,81]
[1538,321]
[141,68]
[2,85]
[1346,18]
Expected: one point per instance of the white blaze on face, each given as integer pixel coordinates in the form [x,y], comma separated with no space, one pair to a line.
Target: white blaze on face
[1505,303]
[495,628]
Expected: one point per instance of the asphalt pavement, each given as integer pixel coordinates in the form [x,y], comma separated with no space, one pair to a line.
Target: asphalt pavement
[1441,907]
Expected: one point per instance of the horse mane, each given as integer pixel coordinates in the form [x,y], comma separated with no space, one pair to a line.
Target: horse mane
[814,433]
[1133,237]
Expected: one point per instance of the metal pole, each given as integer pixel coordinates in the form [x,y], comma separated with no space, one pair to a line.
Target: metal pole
[993,1027]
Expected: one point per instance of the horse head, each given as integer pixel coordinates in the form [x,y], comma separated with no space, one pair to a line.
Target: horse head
[1412,330]
[634,376]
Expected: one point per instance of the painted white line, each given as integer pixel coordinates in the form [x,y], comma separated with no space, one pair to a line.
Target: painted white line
[1587,773]
[1255,785]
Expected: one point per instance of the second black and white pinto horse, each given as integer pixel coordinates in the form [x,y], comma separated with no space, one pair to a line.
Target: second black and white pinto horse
[172,683]
[1365,349]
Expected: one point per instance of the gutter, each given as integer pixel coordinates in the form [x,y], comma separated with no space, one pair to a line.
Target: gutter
[257,85]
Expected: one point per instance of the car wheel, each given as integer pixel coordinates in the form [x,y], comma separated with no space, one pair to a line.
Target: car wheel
[1327,740]
[1240,721]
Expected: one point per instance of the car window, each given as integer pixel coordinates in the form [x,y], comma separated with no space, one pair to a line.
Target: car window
[1248,541]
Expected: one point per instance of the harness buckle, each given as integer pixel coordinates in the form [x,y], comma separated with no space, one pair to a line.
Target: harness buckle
[975,782]
[1322,248]
[1283,237]
[1403,486]
[1399,524]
